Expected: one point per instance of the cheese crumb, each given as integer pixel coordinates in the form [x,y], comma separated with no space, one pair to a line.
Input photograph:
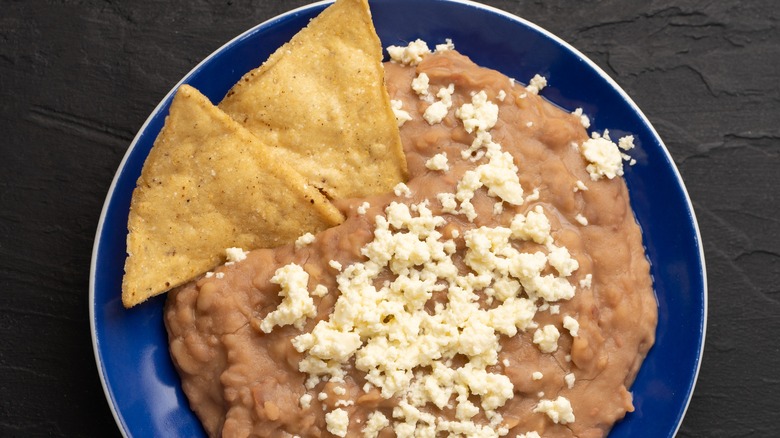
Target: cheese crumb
[537,83]
[305,401]
[626,143]
[402,189]
[220,275]
[580,186]
[448,45]
[501,95]
[235,254]
[374,424]
[480,114]
[297,305]
[401,116]
[420,84]
[438,162]
[537,375]
[559,410]
[569,379]
[438,110]
[337,422]
[581,219]
[604,158]
[531,434]
[584,120]
[547,338]
[335,265]
[363,208]
[572,325]
[304,240]
[411,54]
[319,291]
[586,282]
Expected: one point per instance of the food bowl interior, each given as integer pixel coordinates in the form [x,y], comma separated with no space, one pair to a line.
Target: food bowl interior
[141,384]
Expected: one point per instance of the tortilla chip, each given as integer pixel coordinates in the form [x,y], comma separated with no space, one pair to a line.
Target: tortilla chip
[208,185]
[320,100]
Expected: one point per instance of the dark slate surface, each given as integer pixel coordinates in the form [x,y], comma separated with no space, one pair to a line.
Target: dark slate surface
[78,78]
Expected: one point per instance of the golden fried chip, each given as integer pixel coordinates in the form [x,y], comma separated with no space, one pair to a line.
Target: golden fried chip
[208,185]
[321,102]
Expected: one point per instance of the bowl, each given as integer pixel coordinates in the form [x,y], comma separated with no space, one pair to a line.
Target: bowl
[131,350]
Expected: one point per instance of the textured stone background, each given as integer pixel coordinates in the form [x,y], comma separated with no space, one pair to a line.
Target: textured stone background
[78,78]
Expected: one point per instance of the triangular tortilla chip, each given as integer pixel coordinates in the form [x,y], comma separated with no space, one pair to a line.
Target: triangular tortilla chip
[208,185]
[321,101]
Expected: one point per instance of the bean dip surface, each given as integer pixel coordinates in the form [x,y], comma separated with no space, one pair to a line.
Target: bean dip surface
[248,371]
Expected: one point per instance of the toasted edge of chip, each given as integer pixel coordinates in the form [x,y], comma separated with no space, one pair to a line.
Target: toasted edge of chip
[321,100]
[208,184]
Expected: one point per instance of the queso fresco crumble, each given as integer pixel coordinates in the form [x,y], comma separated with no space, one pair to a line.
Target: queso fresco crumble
[425,310]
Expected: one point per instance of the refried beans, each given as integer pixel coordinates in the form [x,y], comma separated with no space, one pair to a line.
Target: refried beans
[242,381]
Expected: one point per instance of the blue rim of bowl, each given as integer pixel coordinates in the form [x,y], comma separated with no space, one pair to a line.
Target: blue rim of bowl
[93,264]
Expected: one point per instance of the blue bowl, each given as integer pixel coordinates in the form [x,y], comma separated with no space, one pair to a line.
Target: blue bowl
[131,349]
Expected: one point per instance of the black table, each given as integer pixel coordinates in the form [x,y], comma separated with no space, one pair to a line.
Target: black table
[78,78]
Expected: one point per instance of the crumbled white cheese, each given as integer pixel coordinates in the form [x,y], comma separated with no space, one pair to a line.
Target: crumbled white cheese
[374,424]
[235,254]
[220,275]
[420,84]
[435,113]
[305,401]
[626,143]
[448,45]
[555,309]
[297,305]
[363,208]
[438,162]
[480,114]
[604,158]
[547,338]
[537,83]
[572,325]
[532,434]
[536,375]
[586,282]
[560,259]
[304,240]
[412,54]
[438,110]
[322,396]
[529,124]
[569,379]
[533,226]
[209,274]
[402,189]
[559,410]
[401,116]
[337,422]
[584,120]
[580,186]
[319,291]
[534,196]
[581,219]
[339,390]
[335,265]
[501,95]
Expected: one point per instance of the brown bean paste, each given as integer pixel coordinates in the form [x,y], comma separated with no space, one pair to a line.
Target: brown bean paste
[242,381]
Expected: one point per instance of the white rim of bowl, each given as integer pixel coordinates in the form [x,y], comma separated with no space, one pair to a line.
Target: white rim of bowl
[93,264]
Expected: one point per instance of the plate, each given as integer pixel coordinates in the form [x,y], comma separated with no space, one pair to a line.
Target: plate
[140,382]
